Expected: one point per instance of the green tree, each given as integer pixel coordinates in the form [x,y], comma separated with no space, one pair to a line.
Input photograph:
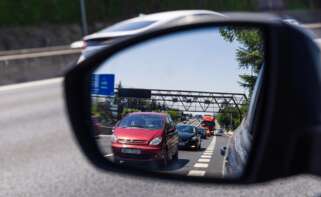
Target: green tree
[175,114]
[229,117]
[127,111]
[249,55]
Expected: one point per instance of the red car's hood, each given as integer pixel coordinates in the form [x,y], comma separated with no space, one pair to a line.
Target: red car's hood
[137,133]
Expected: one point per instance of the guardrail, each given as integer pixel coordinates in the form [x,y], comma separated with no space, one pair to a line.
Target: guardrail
[312,26]
[34,50]
[36,64]
[41,63]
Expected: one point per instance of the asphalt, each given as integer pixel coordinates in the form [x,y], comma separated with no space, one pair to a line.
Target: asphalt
[188,159]
[39,157]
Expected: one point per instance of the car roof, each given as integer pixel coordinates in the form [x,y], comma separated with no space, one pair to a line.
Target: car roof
[172,14]
[149,113]
[159,18]
[181,124]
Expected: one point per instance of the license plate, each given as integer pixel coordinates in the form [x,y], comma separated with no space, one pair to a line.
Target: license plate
[181,143]
[131,151]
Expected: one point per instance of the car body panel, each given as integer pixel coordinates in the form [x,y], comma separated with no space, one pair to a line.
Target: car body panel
[140,138]
[137,133]
[104,38]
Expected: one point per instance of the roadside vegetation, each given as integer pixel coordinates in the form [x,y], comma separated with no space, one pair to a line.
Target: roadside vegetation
[35,12]
[250,57]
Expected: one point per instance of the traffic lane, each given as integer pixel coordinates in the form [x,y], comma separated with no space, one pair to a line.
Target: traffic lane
[216,163]
[187,158]
[104,143]
[53,165]
[28,104]
[104,140]
[26,128]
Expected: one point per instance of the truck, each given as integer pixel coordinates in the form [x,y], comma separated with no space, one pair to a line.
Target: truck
[208,122]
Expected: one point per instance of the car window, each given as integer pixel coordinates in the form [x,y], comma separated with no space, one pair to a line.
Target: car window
[127,26]
[170,119]
[142,121]
[185,129]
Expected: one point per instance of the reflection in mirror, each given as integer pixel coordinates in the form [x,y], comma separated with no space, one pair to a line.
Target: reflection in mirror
[179,103]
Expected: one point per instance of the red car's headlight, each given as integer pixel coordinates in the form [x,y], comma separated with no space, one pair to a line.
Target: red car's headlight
[113,138]
[155,141]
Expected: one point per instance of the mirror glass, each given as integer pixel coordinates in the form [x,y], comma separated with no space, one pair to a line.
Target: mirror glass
[181,103]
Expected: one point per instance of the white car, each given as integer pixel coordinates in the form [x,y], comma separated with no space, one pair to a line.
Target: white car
[219,132]
[130,27]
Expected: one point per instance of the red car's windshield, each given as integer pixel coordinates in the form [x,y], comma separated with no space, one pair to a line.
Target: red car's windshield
[147,121]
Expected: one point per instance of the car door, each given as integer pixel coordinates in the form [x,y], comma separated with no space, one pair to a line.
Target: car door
[172,136]
[198,135]
[239,146]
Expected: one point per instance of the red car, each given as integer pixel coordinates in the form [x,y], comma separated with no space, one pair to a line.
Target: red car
[145,136]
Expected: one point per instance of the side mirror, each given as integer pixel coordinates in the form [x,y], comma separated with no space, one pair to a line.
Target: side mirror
[172,128]
[229,67]
[223,150]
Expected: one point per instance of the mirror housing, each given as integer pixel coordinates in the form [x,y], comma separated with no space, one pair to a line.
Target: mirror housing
[275,114]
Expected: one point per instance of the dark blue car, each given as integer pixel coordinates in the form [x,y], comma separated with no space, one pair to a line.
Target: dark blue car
[202,132]
[188,136]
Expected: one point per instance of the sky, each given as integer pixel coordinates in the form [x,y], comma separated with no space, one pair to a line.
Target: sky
[199,60]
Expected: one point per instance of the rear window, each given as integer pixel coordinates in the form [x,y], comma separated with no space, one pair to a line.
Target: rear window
[128,26]
[145,121]
[185,128]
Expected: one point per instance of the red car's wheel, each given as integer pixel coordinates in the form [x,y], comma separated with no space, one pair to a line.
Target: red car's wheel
[163,162]
[175,156]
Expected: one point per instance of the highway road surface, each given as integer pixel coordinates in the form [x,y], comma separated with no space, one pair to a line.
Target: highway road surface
[204,162]
[38,157]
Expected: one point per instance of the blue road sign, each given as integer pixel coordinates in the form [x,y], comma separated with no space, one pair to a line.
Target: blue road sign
[103,84]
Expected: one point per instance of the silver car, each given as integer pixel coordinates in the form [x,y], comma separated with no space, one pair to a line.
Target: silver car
[103,38]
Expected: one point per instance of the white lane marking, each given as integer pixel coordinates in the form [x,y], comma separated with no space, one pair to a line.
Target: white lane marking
[206,156]
[223,168]
[211,147]
[201,165]
[109,155]
[31,84]
[203,160]
[196,173]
